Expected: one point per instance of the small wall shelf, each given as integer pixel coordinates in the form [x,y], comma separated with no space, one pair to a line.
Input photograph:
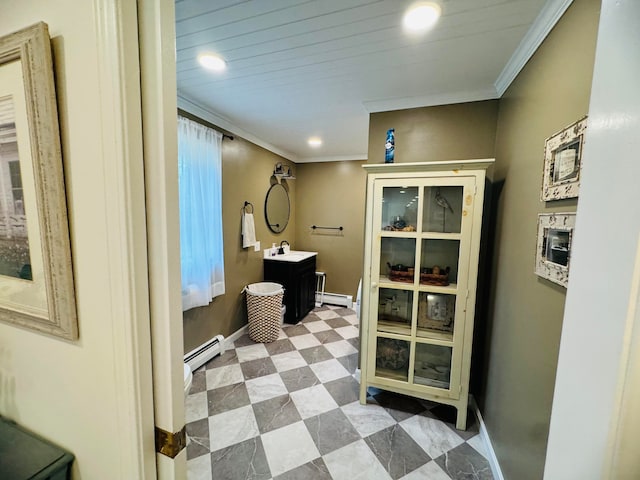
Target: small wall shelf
[279,171]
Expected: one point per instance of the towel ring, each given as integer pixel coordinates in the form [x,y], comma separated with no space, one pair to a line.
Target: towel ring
[246,206]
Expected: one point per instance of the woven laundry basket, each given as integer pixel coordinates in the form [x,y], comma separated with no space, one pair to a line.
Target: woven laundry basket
[264,309]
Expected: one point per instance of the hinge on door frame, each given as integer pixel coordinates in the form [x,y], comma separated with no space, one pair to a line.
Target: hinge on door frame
[170,444]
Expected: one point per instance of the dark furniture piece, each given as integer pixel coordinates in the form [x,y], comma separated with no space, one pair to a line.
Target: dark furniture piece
[26,456]
[299,282]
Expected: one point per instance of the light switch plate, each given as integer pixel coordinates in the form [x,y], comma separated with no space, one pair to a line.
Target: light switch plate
[256,247]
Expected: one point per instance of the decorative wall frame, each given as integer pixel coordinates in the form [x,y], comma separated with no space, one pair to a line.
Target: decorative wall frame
[553,250]
[36,277]
[563,162]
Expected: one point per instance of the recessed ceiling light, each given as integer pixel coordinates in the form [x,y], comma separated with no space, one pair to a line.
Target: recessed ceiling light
[212,62]
[314,142]
[421,16]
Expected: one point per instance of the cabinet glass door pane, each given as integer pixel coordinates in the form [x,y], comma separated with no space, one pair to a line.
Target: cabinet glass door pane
[438,256]
[392,358]
[442,209]
[394,310]
[398,258]
[433,365]
[399,209]
[436,315]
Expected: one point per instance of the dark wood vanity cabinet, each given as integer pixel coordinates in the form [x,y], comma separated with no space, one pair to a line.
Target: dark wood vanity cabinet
[299,282]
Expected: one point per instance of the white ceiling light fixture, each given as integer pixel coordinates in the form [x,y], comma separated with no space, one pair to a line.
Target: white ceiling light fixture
[211,61]
[421,16]
[314,142]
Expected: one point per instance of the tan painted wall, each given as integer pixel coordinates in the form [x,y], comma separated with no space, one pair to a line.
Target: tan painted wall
[448,132]
[332,194]
[551,92]
[246,176]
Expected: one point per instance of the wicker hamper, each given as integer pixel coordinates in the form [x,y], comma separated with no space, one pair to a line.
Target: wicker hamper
[264,309]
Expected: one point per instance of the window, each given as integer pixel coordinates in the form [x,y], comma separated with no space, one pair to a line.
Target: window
[16,187]
[200,184]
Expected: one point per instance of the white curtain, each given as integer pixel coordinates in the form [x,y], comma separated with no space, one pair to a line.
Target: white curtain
[200,183]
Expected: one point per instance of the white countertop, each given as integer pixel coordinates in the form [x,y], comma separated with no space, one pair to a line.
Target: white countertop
[292,256]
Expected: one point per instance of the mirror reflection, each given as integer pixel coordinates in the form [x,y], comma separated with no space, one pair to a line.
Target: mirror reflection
[276,208]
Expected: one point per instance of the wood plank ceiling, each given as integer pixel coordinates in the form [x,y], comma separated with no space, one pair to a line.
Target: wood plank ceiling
[298,68]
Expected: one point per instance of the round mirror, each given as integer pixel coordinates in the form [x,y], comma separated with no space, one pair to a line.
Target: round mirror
[276,208]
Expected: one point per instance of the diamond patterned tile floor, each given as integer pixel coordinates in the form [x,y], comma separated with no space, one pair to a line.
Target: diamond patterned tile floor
[289,410]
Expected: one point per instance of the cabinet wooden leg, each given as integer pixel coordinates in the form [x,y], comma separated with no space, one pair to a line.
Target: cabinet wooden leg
[363,394]
[461,420]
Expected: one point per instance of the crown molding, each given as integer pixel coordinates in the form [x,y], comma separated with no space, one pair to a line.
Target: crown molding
[402,103]
[188,105]
[334,158]
[544,22]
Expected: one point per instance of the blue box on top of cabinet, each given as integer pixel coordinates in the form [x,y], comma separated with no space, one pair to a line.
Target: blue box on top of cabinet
[26,456]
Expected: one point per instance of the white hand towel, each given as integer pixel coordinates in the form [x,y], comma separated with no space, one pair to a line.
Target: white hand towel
[248,230]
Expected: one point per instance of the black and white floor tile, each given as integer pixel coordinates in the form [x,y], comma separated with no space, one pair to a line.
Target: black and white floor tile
[289,410]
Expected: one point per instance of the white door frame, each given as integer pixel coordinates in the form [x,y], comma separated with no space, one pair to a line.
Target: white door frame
[156,23]
[621,461]
[139,128]
[116,26]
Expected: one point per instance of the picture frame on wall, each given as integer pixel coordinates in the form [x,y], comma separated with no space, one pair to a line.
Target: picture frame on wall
[553,249]
[563,162]
[36,277]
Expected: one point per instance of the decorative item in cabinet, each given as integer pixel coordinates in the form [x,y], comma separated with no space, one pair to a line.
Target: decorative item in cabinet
[436,312]
[433,365]
[397,256]
[437,252]
[400,209]
[428,276]
[400,273]
[422,242]
[435,276]
[394,310]
[392,356]
[396,228]
[443,208]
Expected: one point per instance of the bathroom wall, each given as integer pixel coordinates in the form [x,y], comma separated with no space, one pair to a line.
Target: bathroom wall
[447,132]
[525,319]
[332,194]
[246,176]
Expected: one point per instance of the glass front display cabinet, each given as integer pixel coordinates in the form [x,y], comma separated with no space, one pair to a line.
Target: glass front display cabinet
[422,242]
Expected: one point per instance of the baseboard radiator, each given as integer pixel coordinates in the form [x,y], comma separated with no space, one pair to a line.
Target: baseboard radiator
[337,299]
[205,352]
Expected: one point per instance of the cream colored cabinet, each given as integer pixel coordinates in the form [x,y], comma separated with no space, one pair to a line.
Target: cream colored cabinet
[422,241]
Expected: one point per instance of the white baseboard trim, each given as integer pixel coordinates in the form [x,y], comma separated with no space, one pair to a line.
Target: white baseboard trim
[484,434]
[338,299]
[234,336]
